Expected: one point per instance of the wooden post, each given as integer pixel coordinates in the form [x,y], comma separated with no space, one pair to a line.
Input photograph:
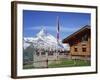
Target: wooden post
[47,63]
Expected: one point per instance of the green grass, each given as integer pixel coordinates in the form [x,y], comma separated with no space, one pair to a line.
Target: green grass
[62,63]
[69,63]
[28,66]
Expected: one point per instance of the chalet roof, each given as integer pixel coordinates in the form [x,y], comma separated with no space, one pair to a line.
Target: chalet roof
[67,39]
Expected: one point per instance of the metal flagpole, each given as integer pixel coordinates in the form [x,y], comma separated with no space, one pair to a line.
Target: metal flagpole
[58,29]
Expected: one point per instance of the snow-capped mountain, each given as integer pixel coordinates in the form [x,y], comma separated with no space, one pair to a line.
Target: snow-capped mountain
[43,40]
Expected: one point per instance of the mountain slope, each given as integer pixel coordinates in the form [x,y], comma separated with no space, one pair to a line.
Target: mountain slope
[43,40]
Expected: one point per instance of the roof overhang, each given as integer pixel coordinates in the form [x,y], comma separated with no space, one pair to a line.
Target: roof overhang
[77,33]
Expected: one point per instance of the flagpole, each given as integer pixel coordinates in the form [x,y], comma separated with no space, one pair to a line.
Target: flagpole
[58,29]
[57,36]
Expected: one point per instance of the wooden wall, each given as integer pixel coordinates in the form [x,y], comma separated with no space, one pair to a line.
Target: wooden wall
[79,46]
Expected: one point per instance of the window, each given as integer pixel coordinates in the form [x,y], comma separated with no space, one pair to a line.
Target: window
[75,49]
[83,49]
[85,38]
[50,53]
[43,53]
[37,53]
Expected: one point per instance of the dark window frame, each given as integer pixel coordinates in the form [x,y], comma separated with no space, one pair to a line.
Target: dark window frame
[84,50]
[76,49]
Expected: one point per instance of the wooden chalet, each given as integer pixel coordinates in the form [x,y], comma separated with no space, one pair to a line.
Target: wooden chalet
[80,43]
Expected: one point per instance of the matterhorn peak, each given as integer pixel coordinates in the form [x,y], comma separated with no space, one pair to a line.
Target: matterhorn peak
[42,32]
[44,40]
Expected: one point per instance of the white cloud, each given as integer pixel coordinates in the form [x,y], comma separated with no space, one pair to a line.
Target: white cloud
[53,28]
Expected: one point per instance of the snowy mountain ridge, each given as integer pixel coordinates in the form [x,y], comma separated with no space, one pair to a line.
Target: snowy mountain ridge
[43,40]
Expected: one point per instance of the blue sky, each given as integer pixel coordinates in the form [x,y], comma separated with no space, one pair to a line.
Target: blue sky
[69,22]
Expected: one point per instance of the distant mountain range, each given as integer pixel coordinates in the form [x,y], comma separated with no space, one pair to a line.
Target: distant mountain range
[44,40]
